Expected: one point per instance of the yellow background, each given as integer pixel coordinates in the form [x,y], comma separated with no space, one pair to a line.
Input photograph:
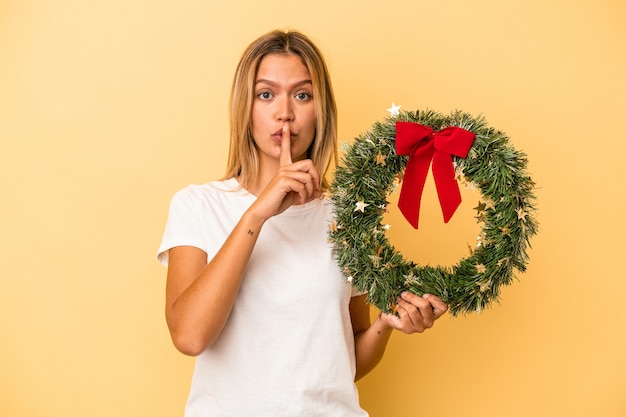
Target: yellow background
[108,107]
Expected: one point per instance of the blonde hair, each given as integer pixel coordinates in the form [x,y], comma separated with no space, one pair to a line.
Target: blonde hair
[243,160]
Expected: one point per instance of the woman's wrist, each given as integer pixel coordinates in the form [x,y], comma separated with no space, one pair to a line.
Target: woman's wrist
[251,222]
[382,326]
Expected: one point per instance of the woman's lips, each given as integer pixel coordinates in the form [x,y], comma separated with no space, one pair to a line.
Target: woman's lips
[278,135]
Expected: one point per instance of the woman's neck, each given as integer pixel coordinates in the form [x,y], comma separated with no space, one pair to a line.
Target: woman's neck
[264,175]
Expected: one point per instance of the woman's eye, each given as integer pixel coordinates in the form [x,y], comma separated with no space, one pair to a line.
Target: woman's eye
[264,95]
[303,96]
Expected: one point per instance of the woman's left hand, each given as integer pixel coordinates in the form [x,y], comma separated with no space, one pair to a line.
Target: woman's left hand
[415,314]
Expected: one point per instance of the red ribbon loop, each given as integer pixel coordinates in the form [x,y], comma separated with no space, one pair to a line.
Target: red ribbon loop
[424,145]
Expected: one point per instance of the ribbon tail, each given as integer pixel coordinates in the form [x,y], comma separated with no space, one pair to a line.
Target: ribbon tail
[413,183]
[447,187]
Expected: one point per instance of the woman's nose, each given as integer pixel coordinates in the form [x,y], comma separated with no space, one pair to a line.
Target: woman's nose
[284,111]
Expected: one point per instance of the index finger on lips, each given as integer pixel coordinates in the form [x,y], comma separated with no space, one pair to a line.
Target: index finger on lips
[285,147]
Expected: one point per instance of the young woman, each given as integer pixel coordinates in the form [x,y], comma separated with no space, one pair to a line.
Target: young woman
[253,288]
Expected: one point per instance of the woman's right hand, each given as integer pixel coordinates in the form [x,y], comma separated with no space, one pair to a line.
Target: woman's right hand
[294,183]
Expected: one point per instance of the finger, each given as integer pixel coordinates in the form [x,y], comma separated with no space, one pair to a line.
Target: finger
[301,188]
[301,172]
[313,178]
[400,320]
[414,321]
[439,307]
[308,190]
[419,302]
[409,320]
[301,183]
[285,147]
[419,310]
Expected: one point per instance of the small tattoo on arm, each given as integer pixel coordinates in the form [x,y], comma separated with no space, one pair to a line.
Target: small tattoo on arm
[250,232]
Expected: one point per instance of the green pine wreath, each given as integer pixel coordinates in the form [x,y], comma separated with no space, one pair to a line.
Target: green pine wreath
[370,170]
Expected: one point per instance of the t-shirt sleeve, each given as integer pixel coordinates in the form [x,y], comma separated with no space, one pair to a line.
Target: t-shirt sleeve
[183,225]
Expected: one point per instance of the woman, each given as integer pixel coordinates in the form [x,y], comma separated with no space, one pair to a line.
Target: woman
[253,288]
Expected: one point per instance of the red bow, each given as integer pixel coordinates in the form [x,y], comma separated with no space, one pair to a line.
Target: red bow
[424,145]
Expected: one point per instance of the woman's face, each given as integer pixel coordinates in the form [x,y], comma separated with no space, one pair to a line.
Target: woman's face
[283,92]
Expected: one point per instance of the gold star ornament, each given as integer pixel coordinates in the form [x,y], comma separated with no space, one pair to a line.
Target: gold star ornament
[360,206]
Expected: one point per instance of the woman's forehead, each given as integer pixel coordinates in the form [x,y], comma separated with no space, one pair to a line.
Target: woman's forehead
[276,68]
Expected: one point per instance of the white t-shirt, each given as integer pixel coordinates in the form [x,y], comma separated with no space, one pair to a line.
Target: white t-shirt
[287,348]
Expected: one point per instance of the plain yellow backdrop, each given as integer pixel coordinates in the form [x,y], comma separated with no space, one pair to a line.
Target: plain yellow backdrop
[108,108]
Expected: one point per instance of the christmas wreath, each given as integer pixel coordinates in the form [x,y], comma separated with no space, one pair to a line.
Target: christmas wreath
[461,149]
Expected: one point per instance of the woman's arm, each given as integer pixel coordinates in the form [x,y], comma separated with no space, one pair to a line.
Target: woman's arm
[199,295]
[415,314]
[370,339]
